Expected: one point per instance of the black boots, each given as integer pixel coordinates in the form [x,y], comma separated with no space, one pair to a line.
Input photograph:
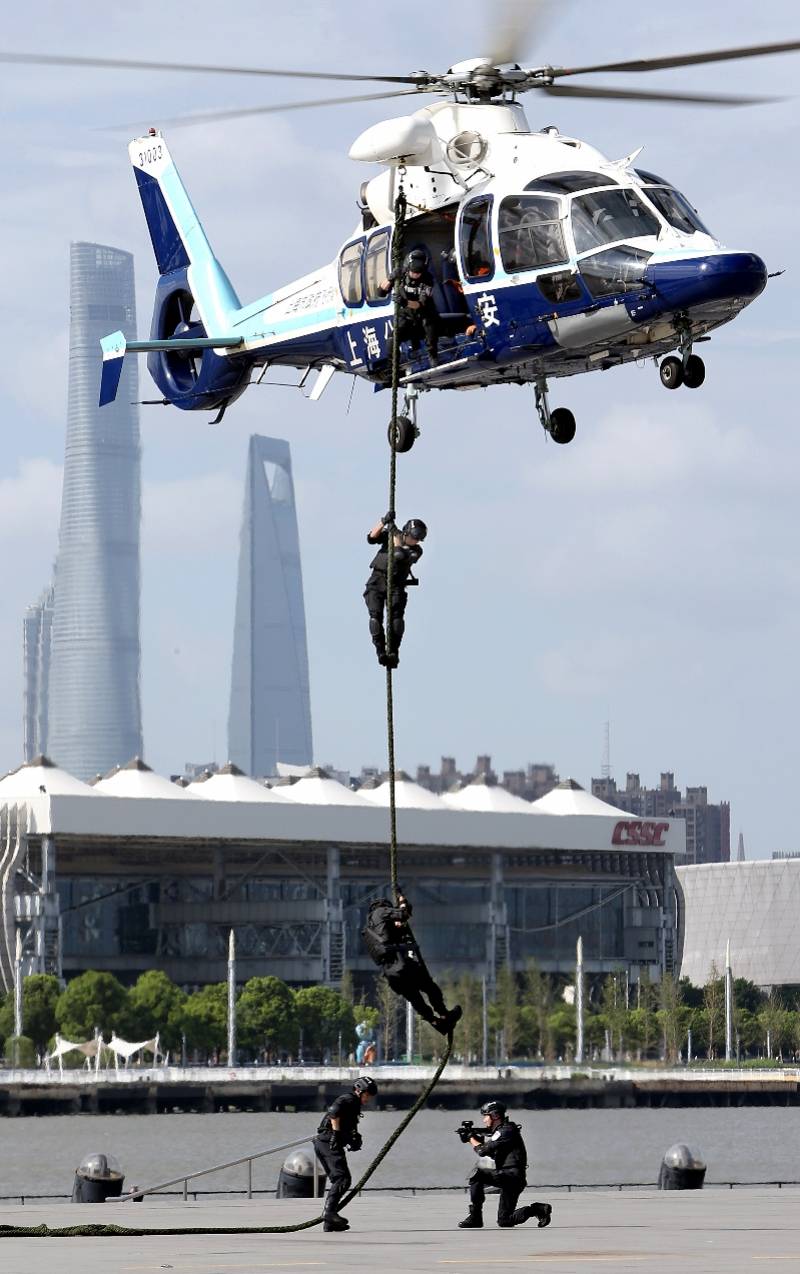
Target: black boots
[541,1210]
[472,1221]
[444,1025]
[334,1222]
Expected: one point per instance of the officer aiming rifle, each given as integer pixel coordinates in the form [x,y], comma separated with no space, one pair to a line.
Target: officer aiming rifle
[500,1141]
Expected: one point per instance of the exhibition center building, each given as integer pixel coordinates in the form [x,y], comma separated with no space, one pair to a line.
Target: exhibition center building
[136,872]
[752,905]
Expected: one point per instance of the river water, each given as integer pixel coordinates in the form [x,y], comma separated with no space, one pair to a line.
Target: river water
[572,1146]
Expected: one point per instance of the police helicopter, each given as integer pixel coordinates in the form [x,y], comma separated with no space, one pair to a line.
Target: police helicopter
[548,258]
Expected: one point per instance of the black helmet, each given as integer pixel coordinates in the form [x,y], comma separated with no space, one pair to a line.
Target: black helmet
[365,1085]
[494,1108]
[416,528]
[416,260]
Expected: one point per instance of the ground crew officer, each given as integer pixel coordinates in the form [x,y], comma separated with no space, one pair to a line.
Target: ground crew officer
[418,316]
[503,1143]
[407,552]
[338,1132]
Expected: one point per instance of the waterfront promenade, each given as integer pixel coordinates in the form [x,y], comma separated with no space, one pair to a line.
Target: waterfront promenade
[311,1088]
[696,1232]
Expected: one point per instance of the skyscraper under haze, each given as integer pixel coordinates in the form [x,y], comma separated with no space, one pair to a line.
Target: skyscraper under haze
[37,629]
[270,708]
[94,709]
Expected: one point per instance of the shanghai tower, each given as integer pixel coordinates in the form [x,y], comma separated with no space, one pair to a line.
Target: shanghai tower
[94,709]
[270,708]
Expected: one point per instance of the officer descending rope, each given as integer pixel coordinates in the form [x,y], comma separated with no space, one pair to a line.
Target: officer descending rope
[388,938]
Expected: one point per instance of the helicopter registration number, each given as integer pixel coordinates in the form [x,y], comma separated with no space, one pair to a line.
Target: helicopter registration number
[150,154]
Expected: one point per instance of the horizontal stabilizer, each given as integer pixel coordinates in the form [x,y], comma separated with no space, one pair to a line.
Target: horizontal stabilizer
[115,347]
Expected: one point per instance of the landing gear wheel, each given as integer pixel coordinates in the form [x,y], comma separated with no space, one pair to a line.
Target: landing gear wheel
[694,372]
[671,373]
[405,434]
[562,425]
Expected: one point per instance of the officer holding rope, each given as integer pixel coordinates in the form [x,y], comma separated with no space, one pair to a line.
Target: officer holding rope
[338,1132]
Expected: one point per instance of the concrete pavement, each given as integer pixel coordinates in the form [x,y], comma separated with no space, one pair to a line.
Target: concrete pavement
[697,1232]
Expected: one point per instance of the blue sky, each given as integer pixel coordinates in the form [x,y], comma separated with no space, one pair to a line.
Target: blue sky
[646,575]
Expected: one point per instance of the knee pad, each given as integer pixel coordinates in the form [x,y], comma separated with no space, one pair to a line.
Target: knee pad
[375,627]
[506,1223]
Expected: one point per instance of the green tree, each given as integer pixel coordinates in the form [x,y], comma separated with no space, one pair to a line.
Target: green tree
[387,1007]
[538,1001]
[326,1018]
[468,992]
[672,1016]
[504,1011]
[615,1013]
[20,1051]
[714,1005]
[205,1018]
[266,1015]
[774,1022]
[155,1005]
[561,1027]
[90,1000]
[40,992]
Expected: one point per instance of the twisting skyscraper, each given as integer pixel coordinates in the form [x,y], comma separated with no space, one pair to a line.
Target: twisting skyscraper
[94,705]
[270,710]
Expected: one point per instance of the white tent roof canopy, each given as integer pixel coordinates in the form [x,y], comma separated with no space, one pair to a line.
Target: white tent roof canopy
[568,797]
[43,776]
[137,779]
[232,784]
[481,795]
[318,788]
[407,794]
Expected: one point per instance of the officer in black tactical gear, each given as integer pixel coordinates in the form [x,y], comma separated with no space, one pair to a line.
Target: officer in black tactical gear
[503,1143]
[390,942]
[407,552]
[414,284]
[338,1132]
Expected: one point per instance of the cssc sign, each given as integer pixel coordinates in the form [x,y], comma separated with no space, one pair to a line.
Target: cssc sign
[638,832]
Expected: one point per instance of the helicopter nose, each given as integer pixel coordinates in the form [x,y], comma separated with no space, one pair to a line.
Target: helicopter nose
[723,276]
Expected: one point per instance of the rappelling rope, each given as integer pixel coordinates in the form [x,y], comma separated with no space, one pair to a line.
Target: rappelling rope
[123,1231]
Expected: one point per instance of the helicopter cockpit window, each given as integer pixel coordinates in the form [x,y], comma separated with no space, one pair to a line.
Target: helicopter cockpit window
[650,178]
[568,183]
[476,241]
[376,264]
[676,209]
[615,270]
[530,233]
[350,273]
[610,215]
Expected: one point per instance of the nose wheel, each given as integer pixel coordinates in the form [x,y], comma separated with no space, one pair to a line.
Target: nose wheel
[559,423]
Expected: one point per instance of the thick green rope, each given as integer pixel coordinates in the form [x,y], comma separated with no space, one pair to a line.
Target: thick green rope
[124,1231]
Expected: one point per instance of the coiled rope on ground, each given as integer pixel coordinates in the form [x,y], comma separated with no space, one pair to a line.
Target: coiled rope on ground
[103,1230]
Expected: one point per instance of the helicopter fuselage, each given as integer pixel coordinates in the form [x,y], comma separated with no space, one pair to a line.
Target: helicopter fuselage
[548,258]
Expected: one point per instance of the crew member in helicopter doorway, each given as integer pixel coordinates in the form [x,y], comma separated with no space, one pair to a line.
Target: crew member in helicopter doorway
[413,285]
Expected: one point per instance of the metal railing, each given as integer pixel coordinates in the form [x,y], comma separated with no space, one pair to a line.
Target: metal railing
[135,1195]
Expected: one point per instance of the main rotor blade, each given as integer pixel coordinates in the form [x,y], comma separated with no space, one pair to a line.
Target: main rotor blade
[641,95]
[687,59]
[514,25]
[209,117]
[125,64]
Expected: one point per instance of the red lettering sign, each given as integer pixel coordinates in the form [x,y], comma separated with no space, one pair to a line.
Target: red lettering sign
[639,832]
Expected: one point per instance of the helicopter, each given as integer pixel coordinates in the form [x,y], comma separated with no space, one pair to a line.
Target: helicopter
[548,259]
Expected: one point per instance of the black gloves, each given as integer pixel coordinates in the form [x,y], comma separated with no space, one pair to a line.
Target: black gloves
[356,1141]
[388,518]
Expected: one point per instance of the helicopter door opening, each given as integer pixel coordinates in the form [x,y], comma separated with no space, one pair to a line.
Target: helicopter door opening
[434,232]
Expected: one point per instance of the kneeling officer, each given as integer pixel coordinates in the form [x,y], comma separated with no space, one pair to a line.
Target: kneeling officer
[503,1143]
[338,1132]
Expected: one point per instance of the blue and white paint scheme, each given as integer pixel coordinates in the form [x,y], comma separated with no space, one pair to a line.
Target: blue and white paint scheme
[550,260]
